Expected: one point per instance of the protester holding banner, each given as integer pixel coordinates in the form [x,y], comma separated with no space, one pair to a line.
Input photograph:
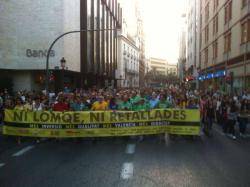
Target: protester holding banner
[61,105]
[100,104]
[125,102]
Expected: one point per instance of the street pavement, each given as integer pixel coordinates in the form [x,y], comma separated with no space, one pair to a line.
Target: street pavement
[154,161]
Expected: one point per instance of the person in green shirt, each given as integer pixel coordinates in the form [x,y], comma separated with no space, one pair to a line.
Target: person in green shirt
[163,103]
[141,106]
[135,98]
[124,104]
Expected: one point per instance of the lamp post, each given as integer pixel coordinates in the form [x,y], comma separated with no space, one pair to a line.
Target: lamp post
[53,43]
[63,64]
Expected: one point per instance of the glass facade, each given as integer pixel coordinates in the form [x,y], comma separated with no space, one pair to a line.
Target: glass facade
[101,40]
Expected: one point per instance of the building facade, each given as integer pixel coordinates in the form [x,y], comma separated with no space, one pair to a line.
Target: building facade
[224,45]
[99,46]
[28,28]
[128,60]
[134,22]
[162,67]
[158,65]
[193,39]
[181,65]
[171,69]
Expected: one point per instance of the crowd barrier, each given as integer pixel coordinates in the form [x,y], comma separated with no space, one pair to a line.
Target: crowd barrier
[101,123]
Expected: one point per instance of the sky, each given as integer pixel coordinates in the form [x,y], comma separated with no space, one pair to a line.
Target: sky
[162,24]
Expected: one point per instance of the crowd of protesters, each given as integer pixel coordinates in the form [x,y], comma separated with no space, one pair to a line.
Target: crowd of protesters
[214,106]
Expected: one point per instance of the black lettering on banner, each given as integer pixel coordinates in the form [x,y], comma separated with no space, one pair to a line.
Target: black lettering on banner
[176,114]
[18,115]
[135,116]
[94,116]
[121,116]
[183,115]
[76,117]
[167,114]
[67,118]
[149,114]
[143,117]
[35,117]
[112,116]
[44,117]
[55,117]
[158,114]
[25,116]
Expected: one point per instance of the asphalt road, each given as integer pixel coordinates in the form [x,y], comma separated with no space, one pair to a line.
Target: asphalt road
[217,161]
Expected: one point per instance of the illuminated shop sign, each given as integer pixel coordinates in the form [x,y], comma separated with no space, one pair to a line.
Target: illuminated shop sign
[212,75]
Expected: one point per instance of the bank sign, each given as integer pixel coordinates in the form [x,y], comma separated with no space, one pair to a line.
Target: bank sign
[38,53]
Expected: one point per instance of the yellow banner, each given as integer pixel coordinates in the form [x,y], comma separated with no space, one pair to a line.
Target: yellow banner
[102,123]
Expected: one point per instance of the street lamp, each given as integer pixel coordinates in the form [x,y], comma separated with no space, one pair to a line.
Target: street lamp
[62,35]
[63,64]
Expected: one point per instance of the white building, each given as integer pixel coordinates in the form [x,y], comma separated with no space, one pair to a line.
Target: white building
[181,66]
[128,60]
[27,28]
[193,39]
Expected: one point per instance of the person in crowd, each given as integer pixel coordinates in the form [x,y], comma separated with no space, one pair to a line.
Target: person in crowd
[163,102]
[37,105]
[61,105]
[125,103]
[112,104]
[243,117]
[153,102]
[192,104]
[28,106]
[231,119]
[218,110]
[100,104]
[142,105]
[209,116]
[18,104]
[77,104]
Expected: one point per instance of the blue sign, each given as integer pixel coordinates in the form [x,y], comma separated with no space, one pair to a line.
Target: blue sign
[217,74]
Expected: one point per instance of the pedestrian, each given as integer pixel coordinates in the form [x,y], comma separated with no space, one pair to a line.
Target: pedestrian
[243,117]
[231,119]
[209,116]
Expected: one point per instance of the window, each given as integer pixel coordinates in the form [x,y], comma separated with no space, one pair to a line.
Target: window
[207,12]
[245,32]
[215,49]
[215,24]
[206,33]
[206,56]
[201,20]
[243,3]
[216,4]
[228,12]
[227,42]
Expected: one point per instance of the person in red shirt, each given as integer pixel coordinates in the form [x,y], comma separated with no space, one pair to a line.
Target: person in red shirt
[61,105]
